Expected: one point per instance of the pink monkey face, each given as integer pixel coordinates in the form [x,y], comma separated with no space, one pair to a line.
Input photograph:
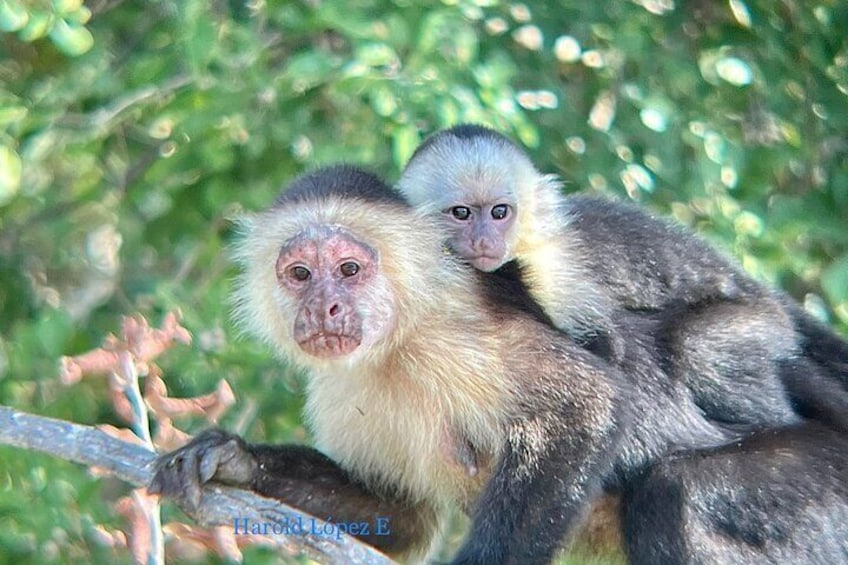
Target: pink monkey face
[327,276]
[479,233]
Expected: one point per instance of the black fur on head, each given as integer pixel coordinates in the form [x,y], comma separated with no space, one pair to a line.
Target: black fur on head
[462,131]
[347,181]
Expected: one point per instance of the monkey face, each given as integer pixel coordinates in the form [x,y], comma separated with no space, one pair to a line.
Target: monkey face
[326,273]
[480,183]
[479,233]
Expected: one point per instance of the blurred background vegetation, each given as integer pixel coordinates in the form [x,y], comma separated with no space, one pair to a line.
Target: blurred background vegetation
[132,131]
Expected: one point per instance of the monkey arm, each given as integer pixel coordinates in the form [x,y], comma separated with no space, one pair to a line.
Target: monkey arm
[549,472]
[309,480]
[297,475]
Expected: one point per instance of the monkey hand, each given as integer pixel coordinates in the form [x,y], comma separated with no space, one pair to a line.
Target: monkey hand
[212,455]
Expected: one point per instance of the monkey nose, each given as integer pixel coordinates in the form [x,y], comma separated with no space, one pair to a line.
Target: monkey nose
[334,309]
[482,245]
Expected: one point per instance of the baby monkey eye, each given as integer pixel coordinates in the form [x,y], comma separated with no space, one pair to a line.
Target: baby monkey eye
[300,273]
[349,269]
[460,212]
[500,211]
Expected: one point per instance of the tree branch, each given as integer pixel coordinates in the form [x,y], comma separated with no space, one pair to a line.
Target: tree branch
[220,506]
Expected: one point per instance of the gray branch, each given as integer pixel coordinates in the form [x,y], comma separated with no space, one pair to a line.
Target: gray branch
[221,506]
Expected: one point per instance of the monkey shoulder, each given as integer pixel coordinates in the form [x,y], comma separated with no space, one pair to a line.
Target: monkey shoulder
[507,289]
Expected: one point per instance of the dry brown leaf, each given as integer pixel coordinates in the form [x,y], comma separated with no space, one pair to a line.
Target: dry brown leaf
[220,539]
[142,341]
[124,434]
[168,437]
[95,362]
[147,343]
[109,538]
[211,405]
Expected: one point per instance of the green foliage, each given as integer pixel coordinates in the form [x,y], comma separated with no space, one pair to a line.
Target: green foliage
[132,132]
[63,21]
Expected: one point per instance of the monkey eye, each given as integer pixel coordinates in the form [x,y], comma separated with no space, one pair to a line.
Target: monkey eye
[300,273]
[349,268]
[500,211]
[460,212]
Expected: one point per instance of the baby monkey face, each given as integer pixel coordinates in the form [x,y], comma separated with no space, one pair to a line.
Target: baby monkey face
[480,232]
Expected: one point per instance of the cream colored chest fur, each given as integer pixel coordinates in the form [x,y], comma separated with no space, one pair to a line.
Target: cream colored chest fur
[396,431]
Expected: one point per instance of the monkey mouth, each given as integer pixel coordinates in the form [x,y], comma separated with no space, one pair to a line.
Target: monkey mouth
[329,345]
[486,263]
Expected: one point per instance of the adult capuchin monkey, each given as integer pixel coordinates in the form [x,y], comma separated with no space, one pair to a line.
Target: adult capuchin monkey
[430,385]
[586,260]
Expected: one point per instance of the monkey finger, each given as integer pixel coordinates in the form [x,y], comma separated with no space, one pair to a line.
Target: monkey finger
[181,473]
[176,477]
[229,463]
[215,449]
[155,486]
[209,461]
[189,480]
[164,476]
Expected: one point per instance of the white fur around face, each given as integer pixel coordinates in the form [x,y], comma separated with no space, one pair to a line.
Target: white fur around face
[472,172]
[384,410]
[483,169]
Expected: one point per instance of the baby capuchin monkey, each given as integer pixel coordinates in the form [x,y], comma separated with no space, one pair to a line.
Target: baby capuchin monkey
[749,355]
[665,307]
[428,386]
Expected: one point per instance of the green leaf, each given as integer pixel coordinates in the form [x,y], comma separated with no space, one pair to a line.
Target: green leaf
[404,141]
[13,16]
[53,330]
[66,6]
[10,174]
[37,27]
[71,38]
[384,102]
[834,281]
[308,70]
[200,36]
[80,16]
[11,113]
[376,54]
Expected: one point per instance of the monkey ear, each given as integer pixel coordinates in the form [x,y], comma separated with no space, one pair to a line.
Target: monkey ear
[244,222]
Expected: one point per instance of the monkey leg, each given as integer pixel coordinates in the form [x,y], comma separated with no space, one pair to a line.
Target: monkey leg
[300,476]
[779,496]
[816,390]
[550,472]
[820,343]
[729,355]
